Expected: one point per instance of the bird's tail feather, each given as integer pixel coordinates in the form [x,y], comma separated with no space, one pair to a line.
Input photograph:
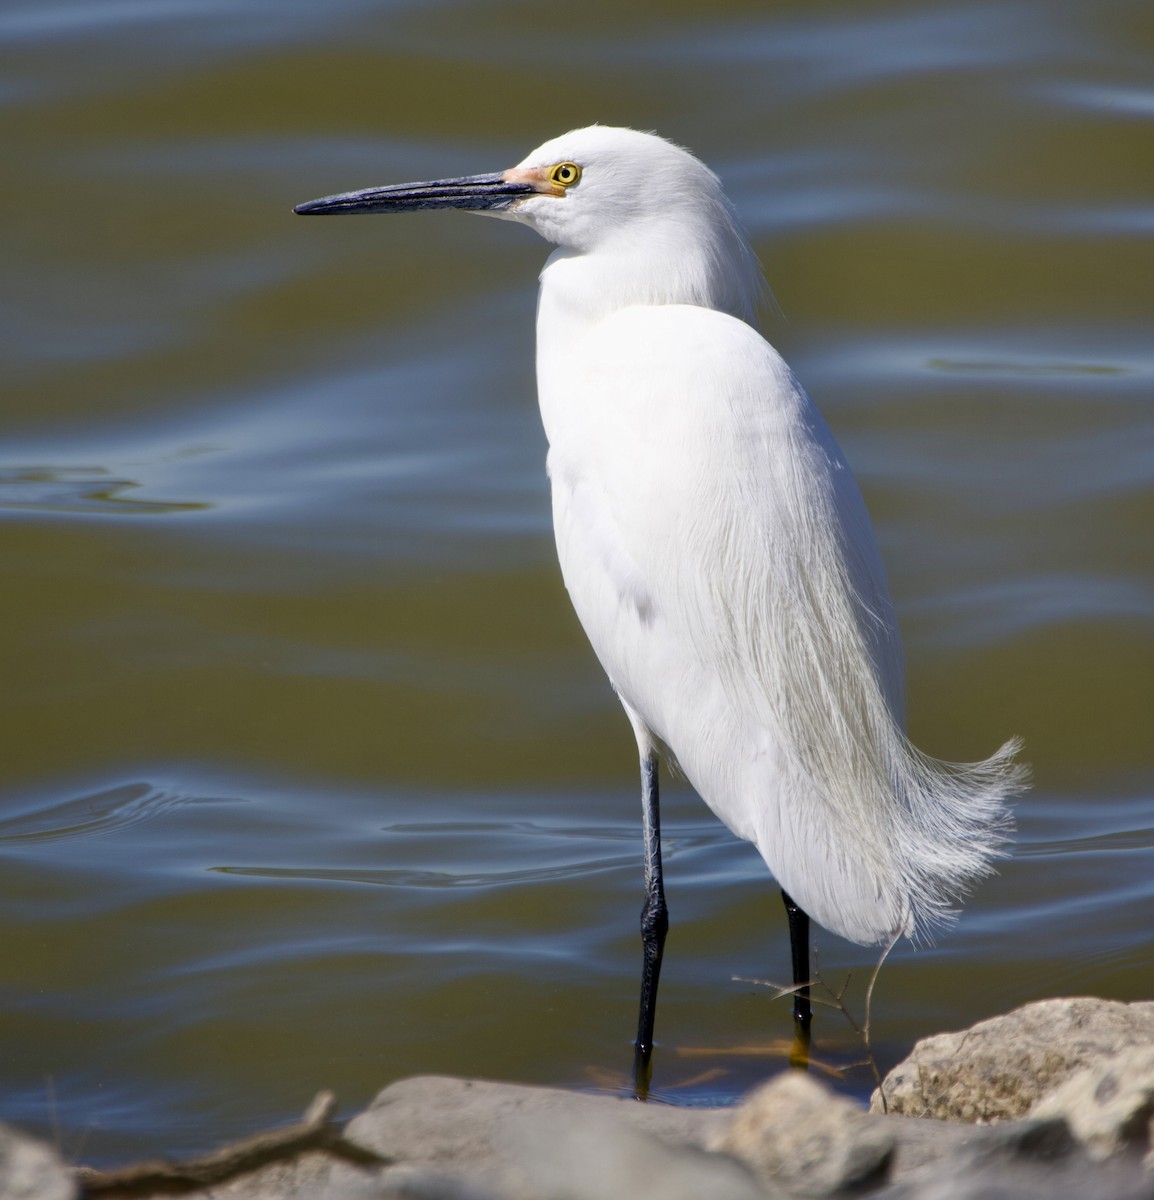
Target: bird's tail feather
[892,841]
[953,824]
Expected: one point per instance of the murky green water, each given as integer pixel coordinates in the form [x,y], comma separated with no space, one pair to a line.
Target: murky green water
[308,778]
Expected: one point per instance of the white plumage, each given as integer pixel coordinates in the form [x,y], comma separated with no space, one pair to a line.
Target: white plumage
[719,555]
[714,542]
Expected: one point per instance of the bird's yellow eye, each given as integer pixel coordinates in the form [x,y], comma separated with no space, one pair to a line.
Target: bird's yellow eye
[565,174]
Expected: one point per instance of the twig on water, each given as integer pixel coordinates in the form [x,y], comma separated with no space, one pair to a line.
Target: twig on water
[836,1000]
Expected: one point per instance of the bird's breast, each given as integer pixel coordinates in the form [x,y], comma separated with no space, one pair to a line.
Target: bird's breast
[651,497]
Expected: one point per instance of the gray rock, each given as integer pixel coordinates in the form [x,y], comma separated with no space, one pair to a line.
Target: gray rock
[433,1138]
[1018,1160]
[598,1158]
[519,1142]
[1076,1182]
[921,1144]
[30,1170]
[409,1183]
[800,1137]
[1109,1107]
[305,1176]
[1001,1068]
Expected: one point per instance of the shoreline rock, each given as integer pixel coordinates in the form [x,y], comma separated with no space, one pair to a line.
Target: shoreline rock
[1001,1068]
[1059,1095]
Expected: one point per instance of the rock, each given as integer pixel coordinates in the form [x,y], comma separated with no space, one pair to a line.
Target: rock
[1109,1107]
[800,1137]
[30,1170]
[921,1144]
[1076,1182]
[517,1142]
[1034,1159]
[597,1158]
[432,1138]
[409,1183]
[1001,1068]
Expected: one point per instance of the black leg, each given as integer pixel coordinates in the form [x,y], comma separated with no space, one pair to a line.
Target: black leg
[799,950]
[654,924]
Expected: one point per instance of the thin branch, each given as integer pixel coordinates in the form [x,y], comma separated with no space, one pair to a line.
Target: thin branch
[315,1131]
[869,1017]
[836,999]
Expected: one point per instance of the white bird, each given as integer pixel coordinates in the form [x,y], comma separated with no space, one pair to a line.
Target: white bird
[718,552]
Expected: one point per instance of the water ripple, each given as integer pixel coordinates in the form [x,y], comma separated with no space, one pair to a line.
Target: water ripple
[81,491]
[416,878]
[108,811]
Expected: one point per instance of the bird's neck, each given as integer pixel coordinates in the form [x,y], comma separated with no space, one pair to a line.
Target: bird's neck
[713,268]
[579,290]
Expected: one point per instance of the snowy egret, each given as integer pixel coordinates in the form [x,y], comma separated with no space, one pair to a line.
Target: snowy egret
[718,552]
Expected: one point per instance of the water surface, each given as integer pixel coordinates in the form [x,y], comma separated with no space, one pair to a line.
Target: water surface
[309,778]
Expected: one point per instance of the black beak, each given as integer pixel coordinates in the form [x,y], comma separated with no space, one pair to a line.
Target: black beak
[475,192]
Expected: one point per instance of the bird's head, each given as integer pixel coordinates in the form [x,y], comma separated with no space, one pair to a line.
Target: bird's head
[602,191]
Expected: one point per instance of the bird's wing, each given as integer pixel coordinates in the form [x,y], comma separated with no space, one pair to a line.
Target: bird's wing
[697,482]
[722,563]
